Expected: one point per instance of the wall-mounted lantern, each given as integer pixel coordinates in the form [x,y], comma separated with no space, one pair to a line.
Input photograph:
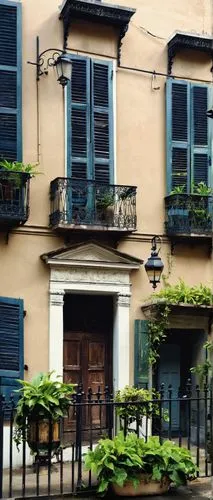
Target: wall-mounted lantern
[56,58]
[154,265]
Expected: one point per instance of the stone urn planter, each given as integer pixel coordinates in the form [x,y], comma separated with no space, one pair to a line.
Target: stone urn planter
[146,487]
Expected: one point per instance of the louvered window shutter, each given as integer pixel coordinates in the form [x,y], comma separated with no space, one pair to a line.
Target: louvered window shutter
[141,369]
[10,81]
[102,121]
[11,344]
[78,99]
[200,137]
[178,134]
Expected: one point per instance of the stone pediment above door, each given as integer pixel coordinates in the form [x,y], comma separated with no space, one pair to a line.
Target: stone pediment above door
[91,254]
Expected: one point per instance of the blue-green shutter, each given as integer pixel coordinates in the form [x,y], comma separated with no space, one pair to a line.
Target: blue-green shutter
[10,81]
[200,134]
[102,121]
[141,368]
[11,344]
[178,134]
[90,120]
[78,119]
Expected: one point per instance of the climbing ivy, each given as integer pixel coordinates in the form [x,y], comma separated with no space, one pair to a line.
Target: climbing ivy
[204,370]
[199,295]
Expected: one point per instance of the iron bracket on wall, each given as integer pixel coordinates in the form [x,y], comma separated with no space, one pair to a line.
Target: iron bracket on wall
[188,41]
[97,12]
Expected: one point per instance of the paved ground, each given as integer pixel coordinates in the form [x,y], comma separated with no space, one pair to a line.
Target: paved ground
[198,490]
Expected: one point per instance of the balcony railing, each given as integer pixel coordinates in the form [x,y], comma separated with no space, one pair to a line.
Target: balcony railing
[82,204]
[14,198]
[189,214]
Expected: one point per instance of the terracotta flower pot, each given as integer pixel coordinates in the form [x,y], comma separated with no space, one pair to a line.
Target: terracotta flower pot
[146,487]
[38,436]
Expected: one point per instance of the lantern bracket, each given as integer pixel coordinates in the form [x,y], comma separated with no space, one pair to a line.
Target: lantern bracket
[46,59]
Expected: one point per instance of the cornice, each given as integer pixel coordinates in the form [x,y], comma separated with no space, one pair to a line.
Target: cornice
[96,11]
[182,41]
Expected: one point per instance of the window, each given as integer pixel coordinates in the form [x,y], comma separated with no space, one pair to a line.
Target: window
[11,344]
[188,135]
[90,121]
[10,80]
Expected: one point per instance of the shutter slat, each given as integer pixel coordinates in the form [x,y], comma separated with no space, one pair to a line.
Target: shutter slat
[141,371]
[8,35]
[10,82]
[200,147]
[201,168]
[200,106]
[11,337]
[178,134]
[78,127]
[8,136]
[102,129]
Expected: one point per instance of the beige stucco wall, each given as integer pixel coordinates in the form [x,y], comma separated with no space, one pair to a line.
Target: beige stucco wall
[140,150]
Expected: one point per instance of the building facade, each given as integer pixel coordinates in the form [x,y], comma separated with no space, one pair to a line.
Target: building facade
[120,150]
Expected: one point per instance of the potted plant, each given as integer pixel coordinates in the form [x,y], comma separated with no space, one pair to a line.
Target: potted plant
[147,404]
[133,467]
[42,403]
[11,182]
[104,206]
[200,212]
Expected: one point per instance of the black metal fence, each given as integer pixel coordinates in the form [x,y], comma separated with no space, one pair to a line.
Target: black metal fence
[57,466]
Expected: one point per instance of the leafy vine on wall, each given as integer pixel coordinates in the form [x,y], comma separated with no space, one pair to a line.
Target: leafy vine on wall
[198,295]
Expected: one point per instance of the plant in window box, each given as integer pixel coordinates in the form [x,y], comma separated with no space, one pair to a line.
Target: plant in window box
[133,467]
[199,211]
[42,403]
[11,182]
[104,206]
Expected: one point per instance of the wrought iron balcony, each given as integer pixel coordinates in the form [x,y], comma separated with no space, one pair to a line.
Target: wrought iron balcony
[188,214]
[14,198]
[83,204]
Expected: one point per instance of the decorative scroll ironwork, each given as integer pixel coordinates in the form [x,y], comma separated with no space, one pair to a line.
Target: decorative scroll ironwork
[188,214]
[14,198]
[181,41]
[76,202]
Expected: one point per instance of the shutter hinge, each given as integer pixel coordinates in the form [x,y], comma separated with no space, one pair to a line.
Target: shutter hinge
[210,161]
[24,313]
[112,74]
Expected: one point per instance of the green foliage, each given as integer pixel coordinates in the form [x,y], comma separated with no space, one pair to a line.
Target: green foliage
[202,189]
[18,166]
[41,398]
[105,201]
[179,189]
[130,412]
[199,295]
[157,331]
[204,370]
[123,459]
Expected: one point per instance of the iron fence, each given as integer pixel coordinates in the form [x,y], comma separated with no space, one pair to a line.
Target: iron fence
[14,197]
[58,469]
[77,202]
[188,214]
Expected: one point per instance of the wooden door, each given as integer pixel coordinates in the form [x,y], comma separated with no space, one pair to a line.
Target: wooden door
[87,360]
